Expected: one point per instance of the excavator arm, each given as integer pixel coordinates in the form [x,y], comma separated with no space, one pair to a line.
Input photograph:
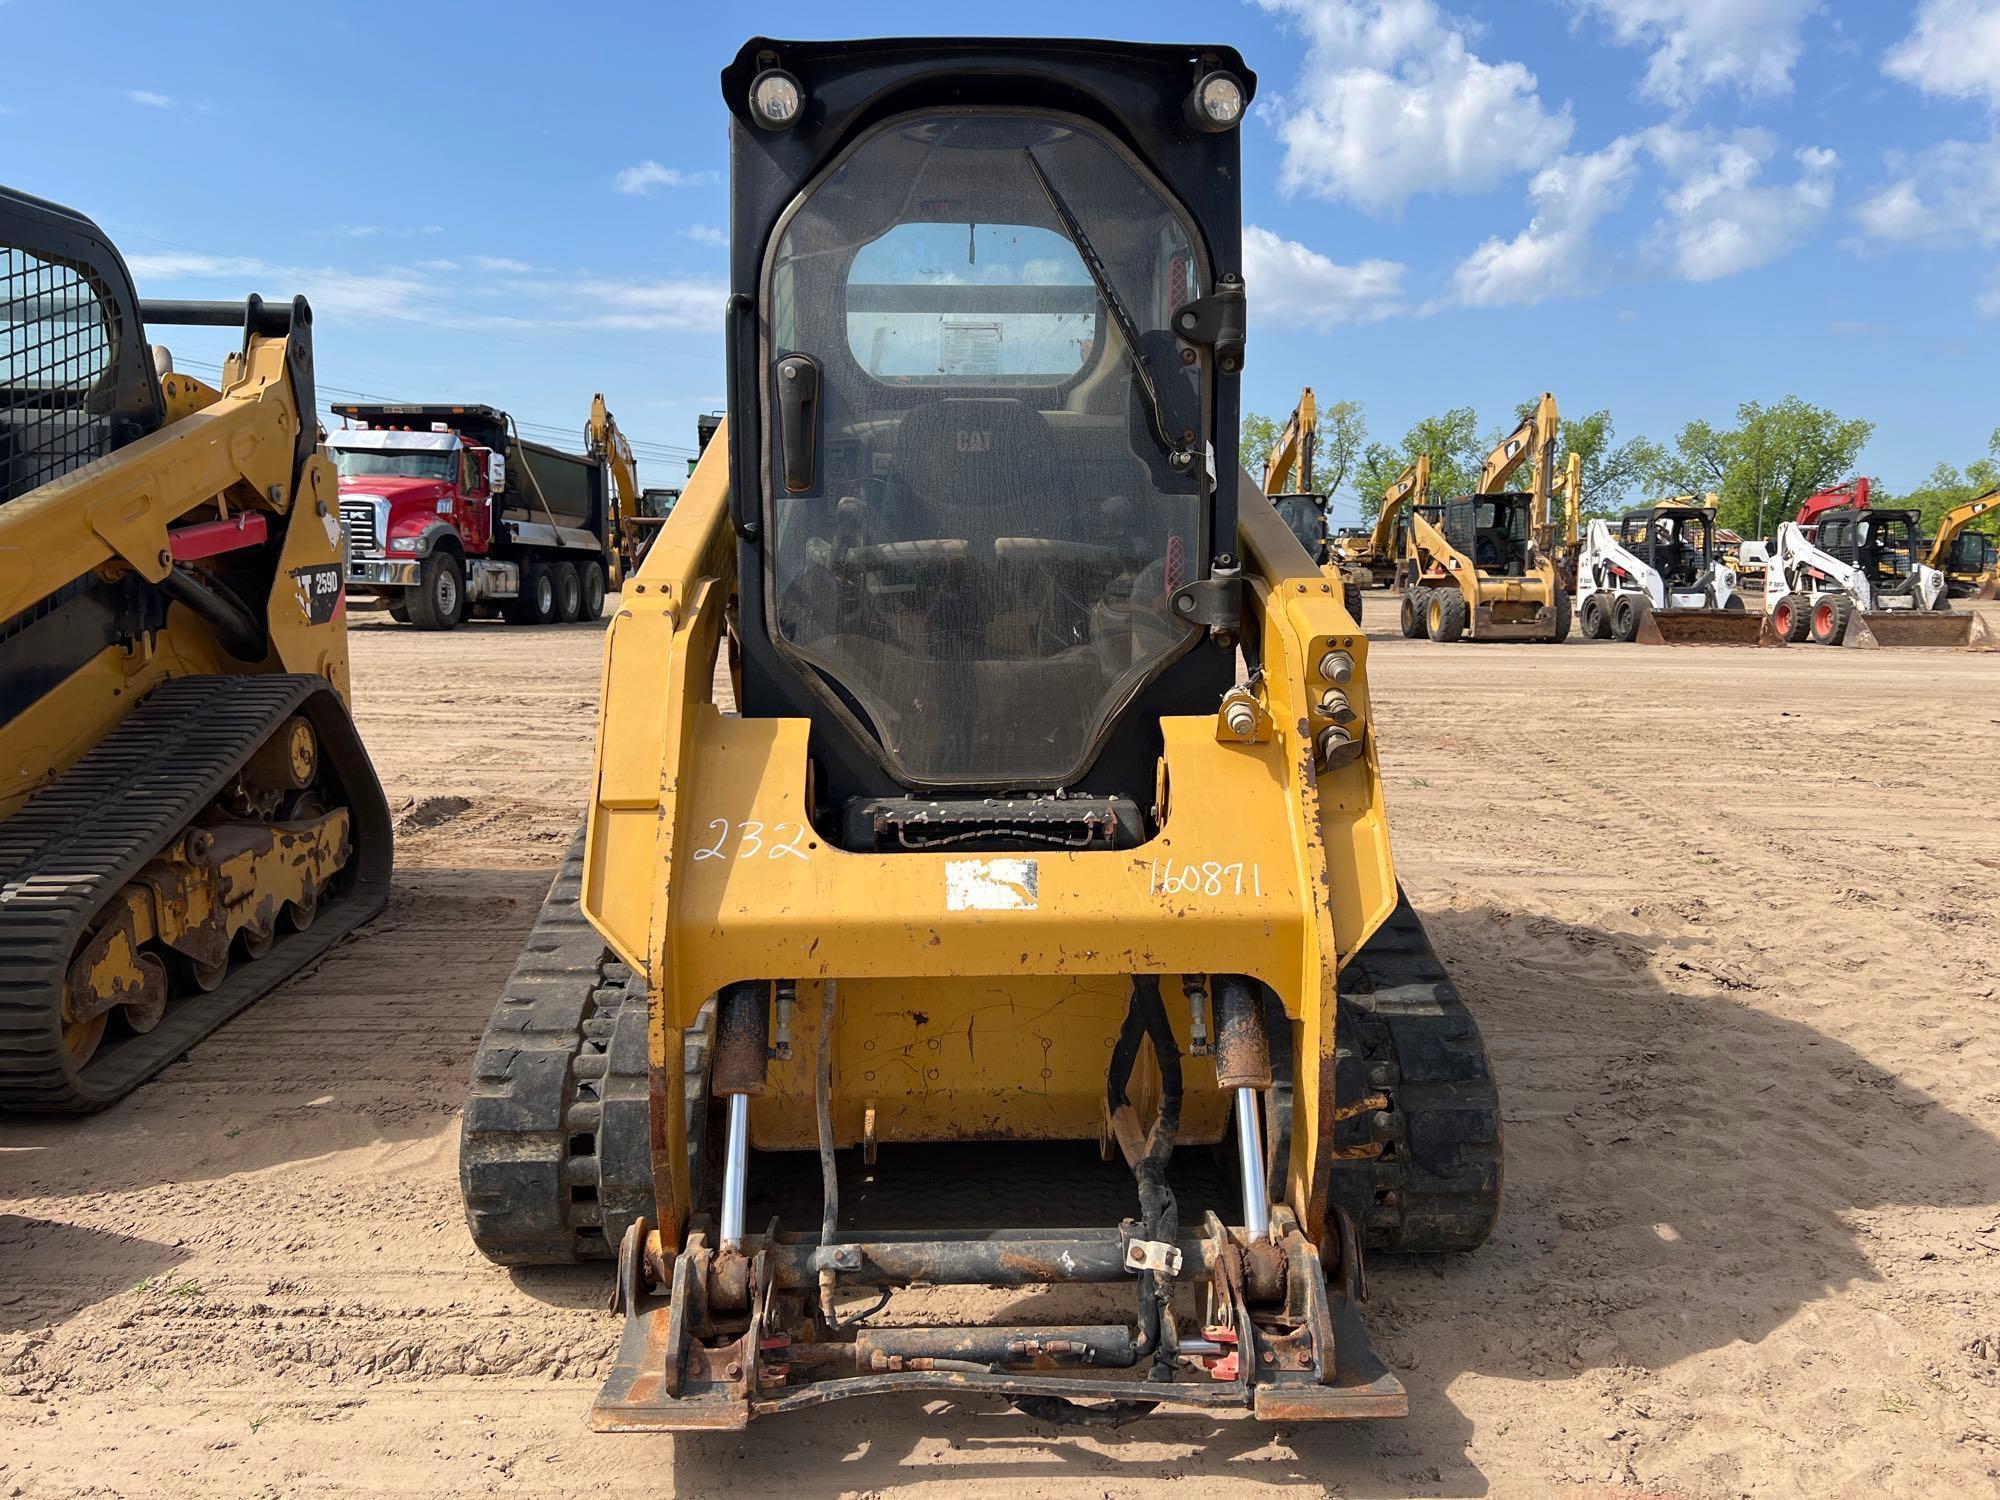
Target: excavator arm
[605,441]
[1956,520]
[1412,487]
[1294,449]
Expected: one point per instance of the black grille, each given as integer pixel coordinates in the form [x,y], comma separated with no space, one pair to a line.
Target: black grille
[58,345]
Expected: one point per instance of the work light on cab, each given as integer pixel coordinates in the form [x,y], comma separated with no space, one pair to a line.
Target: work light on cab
[776,99]
[1217,102]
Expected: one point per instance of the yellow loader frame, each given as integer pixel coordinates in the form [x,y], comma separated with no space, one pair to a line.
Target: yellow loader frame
[700,869]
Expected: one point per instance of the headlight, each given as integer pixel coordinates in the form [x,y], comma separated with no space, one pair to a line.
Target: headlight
[1216,103]
[406,544]
[776,99]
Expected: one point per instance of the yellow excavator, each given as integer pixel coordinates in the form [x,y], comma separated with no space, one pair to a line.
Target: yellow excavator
[1288,485]
[1483,564]
[187,815]
[632,530]
[1002,894]
[1969,559]
[1368,559]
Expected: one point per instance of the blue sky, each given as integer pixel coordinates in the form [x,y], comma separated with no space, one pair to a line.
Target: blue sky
[1663,207]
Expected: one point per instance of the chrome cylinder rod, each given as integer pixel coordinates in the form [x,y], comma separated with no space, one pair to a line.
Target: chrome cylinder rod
[1250,1157]
[735,1171]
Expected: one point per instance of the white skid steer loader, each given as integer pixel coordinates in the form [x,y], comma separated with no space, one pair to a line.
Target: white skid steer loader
[1656,577]
[1858,581]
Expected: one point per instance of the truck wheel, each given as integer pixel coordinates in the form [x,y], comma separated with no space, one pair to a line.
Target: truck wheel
[1829,619]
[537,604]
[1350,595]
[1416,603]
[1625,619]
[1445,614]
[438,600]
[569,593]
[1596,623]
[399,611]
[1559,628]
[593,591]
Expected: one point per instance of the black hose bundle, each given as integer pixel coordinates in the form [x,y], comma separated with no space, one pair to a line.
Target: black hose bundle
[1146,1020]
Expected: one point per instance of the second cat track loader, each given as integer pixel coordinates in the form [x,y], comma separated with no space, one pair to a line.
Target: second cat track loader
[188,815]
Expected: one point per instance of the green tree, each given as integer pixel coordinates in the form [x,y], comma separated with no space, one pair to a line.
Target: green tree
[1342,429]
[1456,451]
[1771,461]
[1253,447]
[1949,486]
[1611,471]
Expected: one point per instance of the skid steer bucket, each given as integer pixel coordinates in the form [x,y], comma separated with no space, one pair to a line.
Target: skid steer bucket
[1953,629]
[1699,627]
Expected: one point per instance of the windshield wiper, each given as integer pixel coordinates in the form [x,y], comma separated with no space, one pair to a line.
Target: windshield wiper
[1128,334]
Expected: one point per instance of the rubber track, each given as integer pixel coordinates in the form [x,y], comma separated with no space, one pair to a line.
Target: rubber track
[554,1153]
[76,844]
[1407,1033]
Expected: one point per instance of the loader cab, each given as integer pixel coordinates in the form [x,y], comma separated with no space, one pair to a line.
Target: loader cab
[984,335]
[1305,517]
[1883,544]
[1971,553]
[1677,542]
[1492,530]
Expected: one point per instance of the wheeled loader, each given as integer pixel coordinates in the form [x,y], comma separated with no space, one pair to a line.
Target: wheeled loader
[1658,579]
[1859,580]
[1003,936]
[187,815]
[1481,565]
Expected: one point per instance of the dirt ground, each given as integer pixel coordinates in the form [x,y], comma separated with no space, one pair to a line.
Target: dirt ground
[1727,917]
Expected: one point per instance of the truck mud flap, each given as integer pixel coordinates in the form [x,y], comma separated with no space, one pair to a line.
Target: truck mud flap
[1951,629]
[1699,627]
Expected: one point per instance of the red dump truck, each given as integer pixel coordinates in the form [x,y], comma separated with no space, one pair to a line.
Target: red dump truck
[449,514]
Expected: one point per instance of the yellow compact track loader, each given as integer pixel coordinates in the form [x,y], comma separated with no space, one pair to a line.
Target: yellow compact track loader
[187,814]
[952,957]
[1484,564]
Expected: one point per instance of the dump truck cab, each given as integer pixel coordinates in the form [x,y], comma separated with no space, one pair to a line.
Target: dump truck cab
[997,854]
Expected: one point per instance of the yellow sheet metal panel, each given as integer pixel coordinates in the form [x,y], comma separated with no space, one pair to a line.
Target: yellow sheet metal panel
[1016,1057]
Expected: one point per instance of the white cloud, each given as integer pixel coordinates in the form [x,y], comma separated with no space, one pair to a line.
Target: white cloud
[1942,194]
[1552,256]
[675,304]
[353,294]
[707,234]
[438,265]
[150,99]
[648,175]
[500,263]
[1699,45]
[1722,217]
[543,301]
[1290,285]
[1988,304]
[1952,50]
[1392,102]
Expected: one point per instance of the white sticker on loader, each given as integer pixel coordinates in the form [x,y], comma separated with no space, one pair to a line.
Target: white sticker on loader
[990,884]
